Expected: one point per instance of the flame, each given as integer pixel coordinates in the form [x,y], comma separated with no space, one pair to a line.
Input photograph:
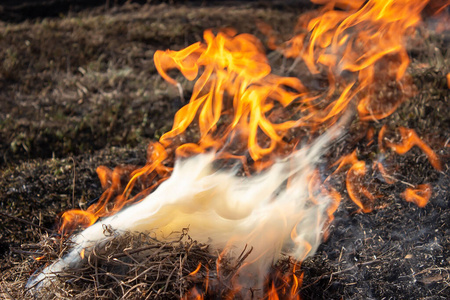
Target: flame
[285,285]
[196,270]
[272,294]
[355,179]
[409,140]
[118,185]
[419,195]
[239,106]
[386,176]
[234,65]
[194,294]
[242,113]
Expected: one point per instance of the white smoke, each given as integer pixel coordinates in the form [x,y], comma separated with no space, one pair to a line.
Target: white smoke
[259,211]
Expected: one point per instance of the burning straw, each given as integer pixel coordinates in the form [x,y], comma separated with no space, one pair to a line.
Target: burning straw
[141,266]
[133,266]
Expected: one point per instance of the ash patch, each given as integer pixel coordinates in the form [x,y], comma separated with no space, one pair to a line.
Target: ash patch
[401,251]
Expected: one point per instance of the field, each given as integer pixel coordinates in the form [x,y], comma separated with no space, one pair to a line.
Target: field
[80,90]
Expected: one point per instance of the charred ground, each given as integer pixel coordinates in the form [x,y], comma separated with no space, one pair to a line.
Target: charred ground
[80,90]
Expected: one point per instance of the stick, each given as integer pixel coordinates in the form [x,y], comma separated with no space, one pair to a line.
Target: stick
[25,221]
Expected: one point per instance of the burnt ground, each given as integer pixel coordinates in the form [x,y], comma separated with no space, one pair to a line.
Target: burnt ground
[80,90]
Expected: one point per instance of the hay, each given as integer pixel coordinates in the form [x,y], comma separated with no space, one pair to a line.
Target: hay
[130,266]
[140,266]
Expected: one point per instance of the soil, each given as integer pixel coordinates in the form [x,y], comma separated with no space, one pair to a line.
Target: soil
[78,89]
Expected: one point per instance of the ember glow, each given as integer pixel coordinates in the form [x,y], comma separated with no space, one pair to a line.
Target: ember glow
[245,148]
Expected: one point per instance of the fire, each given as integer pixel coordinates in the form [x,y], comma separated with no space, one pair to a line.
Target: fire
[272,294]
[419,196]
[236,87]
[242,113]
[409,140]
[355,179]
[239,106]
[196,270]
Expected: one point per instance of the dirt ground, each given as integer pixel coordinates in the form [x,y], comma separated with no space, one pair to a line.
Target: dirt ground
[81,90]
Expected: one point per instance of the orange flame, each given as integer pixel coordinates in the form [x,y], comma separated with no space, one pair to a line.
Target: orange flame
[193,294]
[272,293]
[196,270]
[409,140]
[82,253]
[238,103]
[419,195]
[118,190]
[233,65]
[388,178]
[355,179]
[285,286]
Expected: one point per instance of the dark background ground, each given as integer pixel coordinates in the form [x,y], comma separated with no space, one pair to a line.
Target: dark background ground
[78,89]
